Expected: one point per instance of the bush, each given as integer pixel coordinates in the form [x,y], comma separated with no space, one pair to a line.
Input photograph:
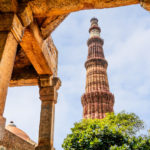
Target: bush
[114,132]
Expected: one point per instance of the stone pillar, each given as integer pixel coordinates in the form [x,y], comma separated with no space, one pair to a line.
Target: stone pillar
[48,95]
[11,32]
[6,67]
[8,47]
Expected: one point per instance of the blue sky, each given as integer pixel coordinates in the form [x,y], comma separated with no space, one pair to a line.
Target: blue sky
[126,34]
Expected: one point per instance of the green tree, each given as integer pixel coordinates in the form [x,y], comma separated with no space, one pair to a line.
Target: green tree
[114,132]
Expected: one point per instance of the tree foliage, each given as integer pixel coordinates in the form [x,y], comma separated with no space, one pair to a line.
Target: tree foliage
[114,132]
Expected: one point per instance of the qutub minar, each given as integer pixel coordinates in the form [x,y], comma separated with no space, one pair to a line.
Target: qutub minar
[97,99]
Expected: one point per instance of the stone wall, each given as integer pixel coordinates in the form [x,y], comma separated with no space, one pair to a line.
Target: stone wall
[13,142]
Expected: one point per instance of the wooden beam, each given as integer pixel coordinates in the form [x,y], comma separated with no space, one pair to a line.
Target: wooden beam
[39,51]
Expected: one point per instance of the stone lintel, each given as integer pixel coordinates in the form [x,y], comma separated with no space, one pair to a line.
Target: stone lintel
[39,51]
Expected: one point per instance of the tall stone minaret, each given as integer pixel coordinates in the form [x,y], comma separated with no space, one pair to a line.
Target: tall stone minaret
[97,99]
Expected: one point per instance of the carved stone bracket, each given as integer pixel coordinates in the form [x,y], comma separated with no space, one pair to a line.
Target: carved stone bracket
[48,80]
[48,87]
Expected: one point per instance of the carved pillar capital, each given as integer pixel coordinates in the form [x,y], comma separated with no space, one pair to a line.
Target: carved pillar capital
[48,87]
[48,80]
[145,4]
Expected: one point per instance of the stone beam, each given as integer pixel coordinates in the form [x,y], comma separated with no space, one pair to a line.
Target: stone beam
[38,50]
[55,7]
[33,50]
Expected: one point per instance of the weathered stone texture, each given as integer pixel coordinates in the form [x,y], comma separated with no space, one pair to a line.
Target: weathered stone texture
[48,95]
[60,7]
[97,99]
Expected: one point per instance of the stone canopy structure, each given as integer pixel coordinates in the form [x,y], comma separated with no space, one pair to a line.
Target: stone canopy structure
[97,99]
[29,57]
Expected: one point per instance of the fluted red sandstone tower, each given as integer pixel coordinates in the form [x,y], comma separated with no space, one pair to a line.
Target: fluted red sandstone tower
[97,99]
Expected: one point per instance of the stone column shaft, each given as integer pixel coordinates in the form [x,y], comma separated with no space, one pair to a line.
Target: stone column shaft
[11,32]
[48,96]
[6,67]
[8,49]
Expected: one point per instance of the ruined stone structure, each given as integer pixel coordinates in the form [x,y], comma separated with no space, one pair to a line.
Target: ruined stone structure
[15,138]
[97,99]
[28,55]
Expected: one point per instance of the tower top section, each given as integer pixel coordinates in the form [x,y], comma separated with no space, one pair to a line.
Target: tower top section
[94,20]
[94,29]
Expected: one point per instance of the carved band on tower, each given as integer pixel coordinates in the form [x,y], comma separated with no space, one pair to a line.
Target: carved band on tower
[97,99]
